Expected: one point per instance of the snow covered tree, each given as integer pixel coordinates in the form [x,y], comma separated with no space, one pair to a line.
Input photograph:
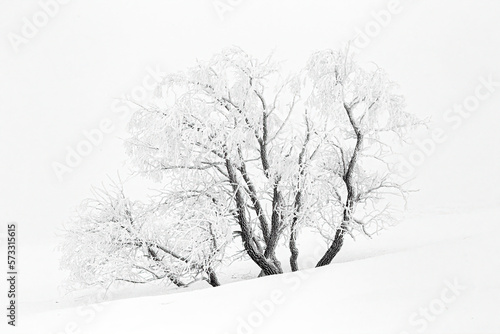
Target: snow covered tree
[239,148]
[370,121]
[237,131]
[115,239]
[217,130]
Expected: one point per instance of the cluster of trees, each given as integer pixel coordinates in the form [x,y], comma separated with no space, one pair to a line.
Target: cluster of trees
[245,154]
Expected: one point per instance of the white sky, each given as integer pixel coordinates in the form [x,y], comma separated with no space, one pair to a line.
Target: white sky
[64,80]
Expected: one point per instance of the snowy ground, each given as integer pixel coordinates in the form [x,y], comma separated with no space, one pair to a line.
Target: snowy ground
[433,273]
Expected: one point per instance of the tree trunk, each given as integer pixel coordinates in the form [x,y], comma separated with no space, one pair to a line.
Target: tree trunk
[338,241]
[268,266]
[277,265]
[213,280]
[294,252]
[247,236]
[272,242]
[270,252]
[334,248]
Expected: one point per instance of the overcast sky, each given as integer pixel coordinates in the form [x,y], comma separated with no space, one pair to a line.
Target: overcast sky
[63,78]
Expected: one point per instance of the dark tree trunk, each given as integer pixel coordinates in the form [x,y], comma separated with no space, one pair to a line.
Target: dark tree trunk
[294,253]
[277,265]
[334,248]
[213,280]
[270,252]
[247,236]
[338,241]
[272,241]
[268,266]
